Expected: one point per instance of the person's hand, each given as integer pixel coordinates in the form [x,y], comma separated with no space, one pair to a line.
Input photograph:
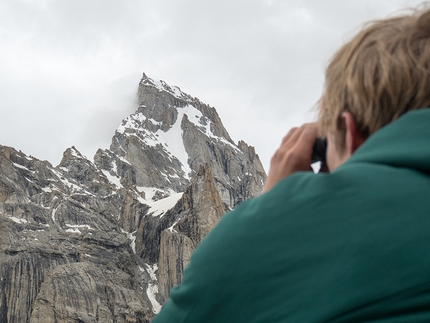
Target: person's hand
[293,155]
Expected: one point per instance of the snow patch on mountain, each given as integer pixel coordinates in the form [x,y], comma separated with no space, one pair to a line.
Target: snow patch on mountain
[161,206]
[17,220]
[113,179]
[132,237]
[171,140]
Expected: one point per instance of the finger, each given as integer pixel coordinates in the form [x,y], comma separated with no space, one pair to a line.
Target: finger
[302,138]
[295,152]
[293,155]
[307,135]
[290,134]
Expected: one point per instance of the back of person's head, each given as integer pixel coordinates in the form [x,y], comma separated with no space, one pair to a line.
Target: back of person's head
[380,74]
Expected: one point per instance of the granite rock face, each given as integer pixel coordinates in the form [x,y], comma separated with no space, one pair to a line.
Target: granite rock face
[57,218]
[105,240]
[195,214]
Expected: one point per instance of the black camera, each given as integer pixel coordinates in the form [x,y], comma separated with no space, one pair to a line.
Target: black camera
[319,151]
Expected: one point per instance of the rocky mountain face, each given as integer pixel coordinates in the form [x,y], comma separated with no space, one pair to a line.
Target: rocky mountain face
[105,240]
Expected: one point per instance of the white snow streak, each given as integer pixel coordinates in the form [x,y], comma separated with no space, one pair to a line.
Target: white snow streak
[113,179]
[53,213]
[79,226]
[161,206]
[66,182]
[163,86]
[73,231]
[151,270]
[22,167]
[172,141]
[75,153]
[151,291]
[132,237]
[171,228]
[14,219]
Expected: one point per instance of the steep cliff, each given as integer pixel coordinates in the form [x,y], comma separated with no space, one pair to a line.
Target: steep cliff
[104,241]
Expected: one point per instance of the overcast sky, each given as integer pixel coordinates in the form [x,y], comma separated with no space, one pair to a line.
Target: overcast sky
[69,69]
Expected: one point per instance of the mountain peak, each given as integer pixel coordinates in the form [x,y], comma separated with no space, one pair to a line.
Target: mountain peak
[170,135]
[162,86]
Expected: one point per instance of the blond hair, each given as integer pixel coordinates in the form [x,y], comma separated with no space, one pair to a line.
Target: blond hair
[380,74]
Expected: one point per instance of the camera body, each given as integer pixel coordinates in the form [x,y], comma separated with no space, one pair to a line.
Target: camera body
[319,151]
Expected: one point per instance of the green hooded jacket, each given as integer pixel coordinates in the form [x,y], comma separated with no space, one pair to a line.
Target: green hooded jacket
[349,246]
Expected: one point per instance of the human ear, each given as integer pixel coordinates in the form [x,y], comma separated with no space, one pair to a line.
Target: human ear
[353,139]
[336,156]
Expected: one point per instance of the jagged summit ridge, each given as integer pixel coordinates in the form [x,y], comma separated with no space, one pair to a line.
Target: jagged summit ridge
[162,145]
[207,118]
[163,86]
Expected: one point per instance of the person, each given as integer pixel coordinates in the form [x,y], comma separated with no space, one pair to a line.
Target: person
[350,245]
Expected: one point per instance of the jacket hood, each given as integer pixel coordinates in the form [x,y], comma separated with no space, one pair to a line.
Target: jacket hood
[402,143]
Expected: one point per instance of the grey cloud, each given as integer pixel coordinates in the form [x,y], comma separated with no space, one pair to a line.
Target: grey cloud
[69,69]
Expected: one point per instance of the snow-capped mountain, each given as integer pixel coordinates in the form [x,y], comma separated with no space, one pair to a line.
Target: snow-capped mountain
[162,145]
[105,240]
